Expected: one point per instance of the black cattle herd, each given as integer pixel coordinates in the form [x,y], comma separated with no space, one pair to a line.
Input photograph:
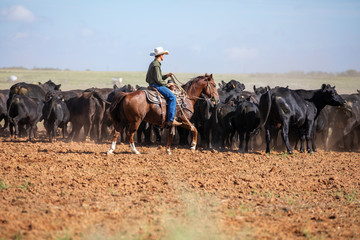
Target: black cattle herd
[319,116]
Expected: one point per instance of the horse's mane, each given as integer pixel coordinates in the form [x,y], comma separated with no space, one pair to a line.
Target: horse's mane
[187,85]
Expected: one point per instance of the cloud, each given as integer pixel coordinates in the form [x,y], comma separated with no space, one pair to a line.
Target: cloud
[238,54]
[21,35]
[86,32]
[196,48]
[17,13]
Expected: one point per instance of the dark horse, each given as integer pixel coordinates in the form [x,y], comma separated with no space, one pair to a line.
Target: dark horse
[130,109]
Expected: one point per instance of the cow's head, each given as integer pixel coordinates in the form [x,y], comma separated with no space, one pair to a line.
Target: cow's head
[260,90]
[52,86]
[331,97]
[234,85]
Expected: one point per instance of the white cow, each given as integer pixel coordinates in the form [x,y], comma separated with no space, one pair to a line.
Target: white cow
[12,78]
[116,81]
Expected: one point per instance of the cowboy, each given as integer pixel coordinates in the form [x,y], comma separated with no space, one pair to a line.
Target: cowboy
[155,79]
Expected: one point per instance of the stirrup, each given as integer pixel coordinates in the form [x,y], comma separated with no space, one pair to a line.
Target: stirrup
[176,123]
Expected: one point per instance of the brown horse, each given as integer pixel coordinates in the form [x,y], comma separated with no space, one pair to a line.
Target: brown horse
[130,109]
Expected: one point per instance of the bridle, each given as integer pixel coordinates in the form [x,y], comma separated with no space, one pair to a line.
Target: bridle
[211,90]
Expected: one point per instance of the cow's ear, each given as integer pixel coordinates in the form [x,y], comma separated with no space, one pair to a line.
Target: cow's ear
[323,86]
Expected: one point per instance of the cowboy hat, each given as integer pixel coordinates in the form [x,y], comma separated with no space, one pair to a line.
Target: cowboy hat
[158,51]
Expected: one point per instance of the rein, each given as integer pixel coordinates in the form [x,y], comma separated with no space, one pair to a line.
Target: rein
[174,78]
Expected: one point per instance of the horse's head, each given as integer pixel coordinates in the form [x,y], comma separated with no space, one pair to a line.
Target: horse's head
[209,88]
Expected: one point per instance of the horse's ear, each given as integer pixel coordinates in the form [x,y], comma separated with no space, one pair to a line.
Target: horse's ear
[205,74]
[210,75]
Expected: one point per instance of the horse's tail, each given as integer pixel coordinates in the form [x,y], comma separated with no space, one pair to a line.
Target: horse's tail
[115,104]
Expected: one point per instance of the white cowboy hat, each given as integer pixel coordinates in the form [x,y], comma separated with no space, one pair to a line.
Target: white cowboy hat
[158,51]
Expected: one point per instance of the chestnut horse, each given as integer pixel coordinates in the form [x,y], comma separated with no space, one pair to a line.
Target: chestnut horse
[130,109]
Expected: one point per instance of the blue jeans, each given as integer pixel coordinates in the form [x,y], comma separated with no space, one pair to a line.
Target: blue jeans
[170,98]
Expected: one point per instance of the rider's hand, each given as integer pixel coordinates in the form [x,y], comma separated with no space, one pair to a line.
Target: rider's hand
[171,86]
[169,74]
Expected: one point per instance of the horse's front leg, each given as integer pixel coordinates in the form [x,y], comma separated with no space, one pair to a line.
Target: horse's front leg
[169,140]
[194,132]
[194,141]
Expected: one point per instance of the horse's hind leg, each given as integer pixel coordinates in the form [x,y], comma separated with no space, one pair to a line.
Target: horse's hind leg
[133,127]
[117,131]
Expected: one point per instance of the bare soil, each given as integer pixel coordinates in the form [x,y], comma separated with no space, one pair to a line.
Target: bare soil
[74,190]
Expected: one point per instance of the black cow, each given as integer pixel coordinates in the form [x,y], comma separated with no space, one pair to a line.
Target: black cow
[147,129]
[86,111]
[56,115]
[4,95]
[203,109]
[230,90]
[24,110]
[353,106]
[285,108]
[221,124]
[340,124]
[258,92]
[245,120]
[65,95]
[104,94]
[33,90]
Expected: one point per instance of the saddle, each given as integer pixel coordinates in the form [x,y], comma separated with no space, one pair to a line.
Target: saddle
[155,97]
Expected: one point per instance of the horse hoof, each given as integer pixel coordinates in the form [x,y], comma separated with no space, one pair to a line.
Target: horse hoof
[168,151]
[193,147]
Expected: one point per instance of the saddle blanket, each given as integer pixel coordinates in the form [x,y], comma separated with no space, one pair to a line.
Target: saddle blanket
[154,96]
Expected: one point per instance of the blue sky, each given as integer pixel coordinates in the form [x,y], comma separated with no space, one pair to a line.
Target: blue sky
[240,36]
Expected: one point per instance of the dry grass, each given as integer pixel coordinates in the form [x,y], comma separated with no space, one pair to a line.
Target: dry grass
[85,79]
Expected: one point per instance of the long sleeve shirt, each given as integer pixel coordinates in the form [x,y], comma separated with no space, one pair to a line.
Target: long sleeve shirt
[154,74]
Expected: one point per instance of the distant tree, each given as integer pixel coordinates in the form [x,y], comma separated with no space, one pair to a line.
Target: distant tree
[319,74]
[295,73]
[352,73]
[349,73]
[15,67]
[46,68]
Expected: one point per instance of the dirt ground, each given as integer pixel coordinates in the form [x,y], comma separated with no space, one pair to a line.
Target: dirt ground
[74,190]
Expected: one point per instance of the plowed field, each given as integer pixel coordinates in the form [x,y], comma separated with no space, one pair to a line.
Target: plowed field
[74,190]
